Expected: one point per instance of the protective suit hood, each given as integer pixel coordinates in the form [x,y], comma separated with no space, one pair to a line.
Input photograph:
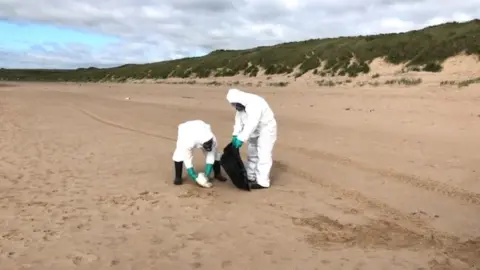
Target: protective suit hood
[236,96]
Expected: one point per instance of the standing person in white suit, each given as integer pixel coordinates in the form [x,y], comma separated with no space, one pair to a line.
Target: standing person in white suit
[196,134]
[255,122]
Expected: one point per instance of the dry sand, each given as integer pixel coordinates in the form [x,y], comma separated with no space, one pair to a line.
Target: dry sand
[364,178]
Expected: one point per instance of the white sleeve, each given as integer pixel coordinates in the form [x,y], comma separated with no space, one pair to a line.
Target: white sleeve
[237,127]
[188,157]
[210,156]
[254,114]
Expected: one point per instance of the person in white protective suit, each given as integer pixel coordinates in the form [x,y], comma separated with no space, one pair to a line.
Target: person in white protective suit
[255,122]
[196,134]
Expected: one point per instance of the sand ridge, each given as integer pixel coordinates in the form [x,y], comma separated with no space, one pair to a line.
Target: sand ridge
[391,181]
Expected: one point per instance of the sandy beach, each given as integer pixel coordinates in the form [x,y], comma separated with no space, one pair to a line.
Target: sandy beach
[384,177]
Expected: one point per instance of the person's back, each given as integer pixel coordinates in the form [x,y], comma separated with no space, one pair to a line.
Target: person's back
[268,117]
[194,133]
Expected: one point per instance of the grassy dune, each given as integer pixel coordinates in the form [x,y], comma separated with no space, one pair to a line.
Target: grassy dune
[421,50]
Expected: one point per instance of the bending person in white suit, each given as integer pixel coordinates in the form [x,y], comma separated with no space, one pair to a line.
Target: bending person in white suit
[255,122]
[196,134]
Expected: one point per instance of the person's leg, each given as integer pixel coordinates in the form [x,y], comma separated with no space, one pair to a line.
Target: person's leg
[266,142]
[178,165]
[252,158]
[217,170]
[178,173]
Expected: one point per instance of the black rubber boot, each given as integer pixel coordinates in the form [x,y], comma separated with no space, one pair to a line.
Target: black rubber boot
[217,172]
[178,173]
[255,185]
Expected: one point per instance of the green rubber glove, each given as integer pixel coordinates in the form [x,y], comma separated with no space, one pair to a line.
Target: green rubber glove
[192,173]
[208,169]
[234,138]
[237,143]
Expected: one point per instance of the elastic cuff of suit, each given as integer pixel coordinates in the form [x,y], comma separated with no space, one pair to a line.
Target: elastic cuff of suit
[241,139]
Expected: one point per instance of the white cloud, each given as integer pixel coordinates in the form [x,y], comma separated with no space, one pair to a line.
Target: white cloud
[153,30]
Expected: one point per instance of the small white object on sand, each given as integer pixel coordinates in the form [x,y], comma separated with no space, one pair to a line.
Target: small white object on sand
[202,180]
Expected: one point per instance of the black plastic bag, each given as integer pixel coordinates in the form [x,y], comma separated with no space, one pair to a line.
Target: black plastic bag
[232,163]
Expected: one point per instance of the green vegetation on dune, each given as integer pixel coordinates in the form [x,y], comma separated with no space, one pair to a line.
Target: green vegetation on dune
[423,49]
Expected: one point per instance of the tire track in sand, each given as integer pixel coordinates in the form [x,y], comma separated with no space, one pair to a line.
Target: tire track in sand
[412,180]
[336,190]
[113,124]
[408,228]
[403,232]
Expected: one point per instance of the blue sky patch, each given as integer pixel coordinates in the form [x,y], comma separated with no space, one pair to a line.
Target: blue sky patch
[21,37]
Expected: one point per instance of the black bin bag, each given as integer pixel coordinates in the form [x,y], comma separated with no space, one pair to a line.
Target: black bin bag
[232,163]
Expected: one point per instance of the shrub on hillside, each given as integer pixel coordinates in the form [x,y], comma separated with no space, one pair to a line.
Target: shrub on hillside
[428,47]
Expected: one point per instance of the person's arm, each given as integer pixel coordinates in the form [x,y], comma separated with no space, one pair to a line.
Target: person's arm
[188,161]
[254,114]
[188,157]
[237,127]
[210,156]
[209,160]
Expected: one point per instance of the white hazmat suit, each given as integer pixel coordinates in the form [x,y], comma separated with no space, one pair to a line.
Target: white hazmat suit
[256,124]
[193,134]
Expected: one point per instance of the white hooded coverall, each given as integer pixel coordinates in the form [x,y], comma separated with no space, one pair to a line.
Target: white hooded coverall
[256,124]
[192,134]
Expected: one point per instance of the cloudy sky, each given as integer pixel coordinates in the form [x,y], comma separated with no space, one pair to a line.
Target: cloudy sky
[82,33]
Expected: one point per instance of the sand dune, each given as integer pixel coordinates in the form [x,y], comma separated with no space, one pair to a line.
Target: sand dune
[456,71]
[365,178]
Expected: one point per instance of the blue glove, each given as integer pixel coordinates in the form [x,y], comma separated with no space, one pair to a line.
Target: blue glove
[192,173]
[208,169]
[234,138]
[237,143]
